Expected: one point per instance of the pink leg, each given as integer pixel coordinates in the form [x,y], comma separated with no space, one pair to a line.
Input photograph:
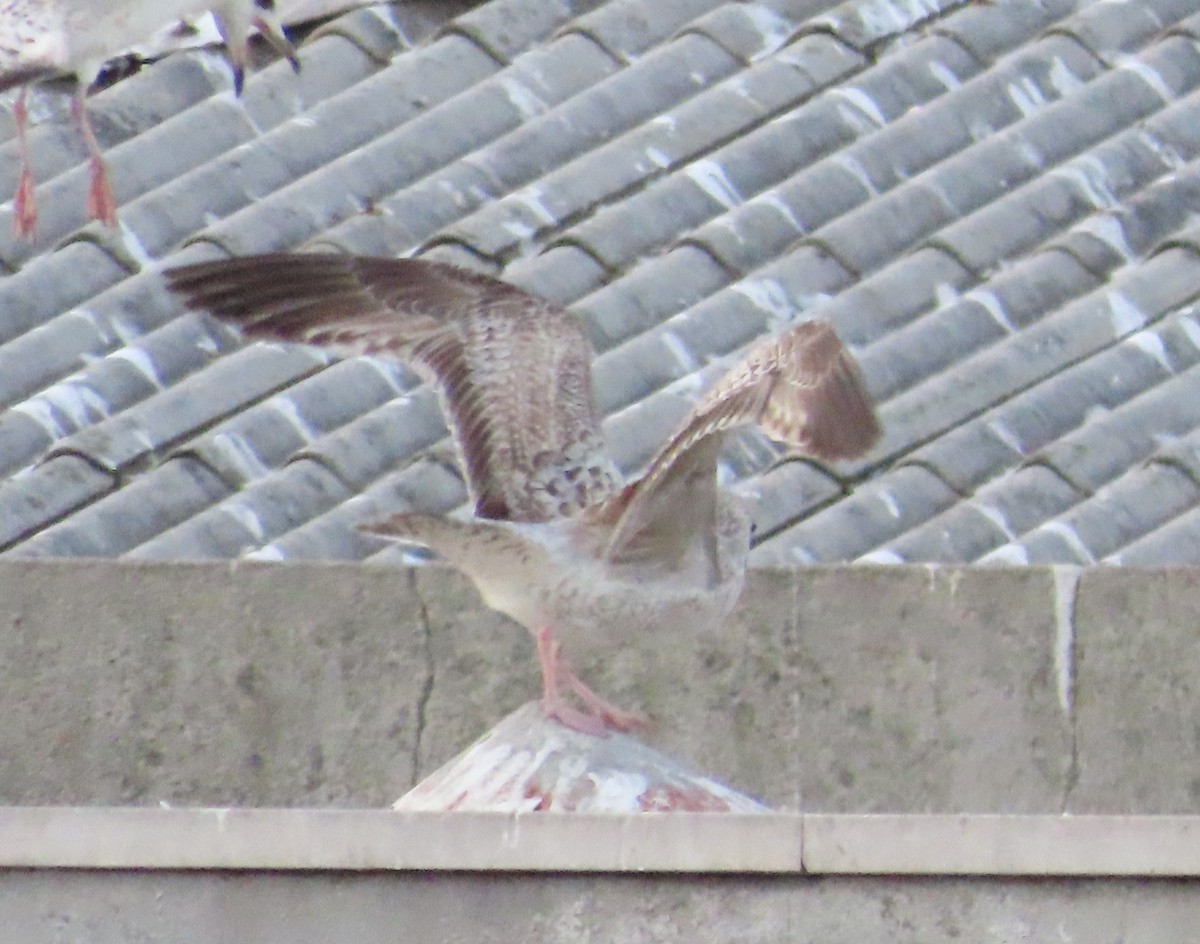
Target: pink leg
[24,204]
[100,203]
[553,703]
[601,716]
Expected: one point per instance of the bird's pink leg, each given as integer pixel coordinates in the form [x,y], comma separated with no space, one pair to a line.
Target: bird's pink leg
[603,713]
[24,203]
[611,715]
[100,203]
[553,703]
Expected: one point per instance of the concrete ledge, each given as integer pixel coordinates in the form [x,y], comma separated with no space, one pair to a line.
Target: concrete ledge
[703,843]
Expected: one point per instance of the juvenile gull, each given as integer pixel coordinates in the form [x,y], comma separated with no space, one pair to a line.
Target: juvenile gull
[51,40]
[556,541]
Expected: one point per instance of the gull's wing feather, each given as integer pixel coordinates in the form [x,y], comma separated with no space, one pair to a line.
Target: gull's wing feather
[803,389]
[514,370]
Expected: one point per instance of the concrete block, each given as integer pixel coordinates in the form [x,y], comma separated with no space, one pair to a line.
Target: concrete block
[927,690]
[1137,693]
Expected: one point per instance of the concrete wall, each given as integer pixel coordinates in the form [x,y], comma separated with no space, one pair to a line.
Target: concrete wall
[843,689]
[314,908]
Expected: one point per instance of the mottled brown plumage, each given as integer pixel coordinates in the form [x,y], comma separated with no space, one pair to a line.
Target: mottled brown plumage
[554,542]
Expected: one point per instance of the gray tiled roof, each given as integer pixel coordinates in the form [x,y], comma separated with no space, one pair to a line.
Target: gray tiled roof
[994,202]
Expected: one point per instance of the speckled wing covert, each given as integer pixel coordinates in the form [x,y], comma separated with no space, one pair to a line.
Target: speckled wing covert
[803,389]
[514,370]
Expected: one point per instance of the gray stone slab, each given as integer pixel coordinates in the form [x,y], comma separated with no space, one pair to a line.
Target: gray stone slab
[47,493]
[1132,300]
[145,432]
[1108,32]
[859,26]
[894,296]
[171,493]
[1175,544]
[787,493]
[1010,505]
[648,294]
[508,27]
[989,32]
[664,77]
[1002,437]
[562,274]
[1111,443]
[1135,646]
[256,514]
[381,440]
[623,28]
[1100,526]
[210,908]
[874,514]
[427,486]
[53,284]
[881,686]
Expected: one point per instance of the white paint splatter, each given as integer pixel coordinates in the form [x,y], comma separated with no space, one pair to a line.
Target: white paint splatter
[1126,316]
[990,302]
[1152,344]
[1066,583]
[710,177]
[1148,74]
[1001,431]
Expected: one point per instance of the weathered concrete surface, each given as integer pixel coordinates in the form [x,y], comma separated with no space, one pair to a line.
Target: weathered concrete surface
[116,908]
[836,689]
[1138,691]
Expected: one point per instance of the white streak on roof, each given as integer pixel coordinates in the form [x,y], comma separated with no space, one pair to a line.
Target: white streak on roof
[239,454]
[1026,95]
[990,302]
[710,177]
[889,502]
[142,362]
[1006,436]
[1192,330]
[1152,344]
[1062,78]
[1007,554]
[41,413]
[286,407]
[884,556]
[1126,316]
[945,294]
[769,296]
[995,516]
[527,103]
[1071,537]
[1091,176]
[532,199]
[862,103]
[240,512]
[133,244]
[773,30]
[945,75]
[268,552]
[772,199]
[851,164]
[1148,74]
[683,357]
[1107,228]
[657,157]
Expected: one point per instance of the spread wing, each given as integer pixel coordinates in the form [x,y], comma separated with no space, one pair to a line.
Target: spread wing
[514,370]
[803,389]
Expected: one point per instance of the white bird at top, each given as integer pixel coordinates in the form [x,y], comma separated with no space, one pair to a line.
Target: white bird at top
[51,40]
